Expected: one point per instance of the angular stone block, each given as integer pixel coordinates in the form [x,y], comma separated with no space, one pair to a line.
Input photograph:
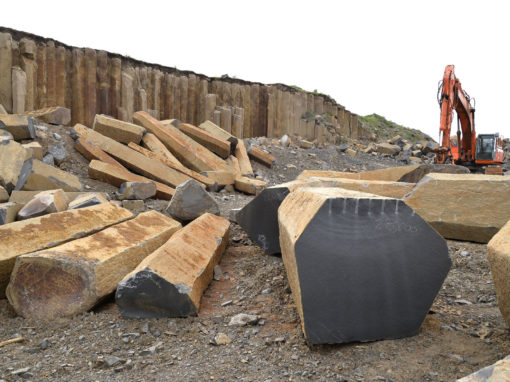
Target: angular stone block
[242,156]
[133,205]
[70,279]
[115,176]
[457,205]
[190,201]
[120,131]
[36,150]
[136,190]
[357,266]
[44,203]
[8,213]
[48,231]
[170,281]
[259,218]
[87,200]
[36,175]
[12,157]
[4,195]
[249,186]
[499,259]
[55,115]
[259,155]
[58,151]
[217,145]
[498,372]
[20,126]
[92,152]
[157,147]
[222,178]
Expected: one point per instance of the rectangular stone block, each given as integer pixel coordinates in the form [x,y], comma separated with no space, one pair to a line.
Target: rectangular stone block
[357,266]
[71,278]
[156,146]
[55,115]
[37,175]
[409,174]
[123,132]
[259,155]
[170,282]
[35,149]
[217,131]
[190,153]
[249,185]
[133,160]
[8,213]
[222,178]
[219,146]
[111,174]
[51,230]
[20,126]
[92,152]
[12,157]
[23,197]
[242,157]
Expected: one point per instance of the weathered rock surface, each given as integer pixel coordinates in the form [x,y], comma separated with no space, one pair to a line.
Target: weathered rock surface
[48,231]
[170,282]
[498,372]
[259,218]
[37,175]
[45,202]
[12,157]
[58,151]
[133,205]
[467,207]
[136,190]
[190,201]
[217,145]
[388,148]
[55,115]
[120,131]
[4,195]
[259,155]
[87,200]
[8,213]
[499,259]
[249,185]
[37,151]
[70,279]
[357,265]
[20,126]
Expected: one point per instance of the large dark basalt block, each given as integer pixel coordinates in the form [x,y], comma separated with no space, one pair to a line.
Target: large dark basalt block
[361,267]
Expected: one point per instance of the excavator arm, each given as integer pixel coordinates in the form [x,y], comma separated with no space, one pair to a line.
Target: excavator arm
[454,98]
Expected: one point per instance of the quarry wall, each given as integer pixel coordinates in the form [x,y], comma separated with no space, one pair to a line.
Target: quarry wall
[36,72]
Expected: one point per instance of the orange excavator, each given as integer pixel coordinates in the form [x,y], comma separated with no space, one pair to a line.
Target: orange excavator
[466,148]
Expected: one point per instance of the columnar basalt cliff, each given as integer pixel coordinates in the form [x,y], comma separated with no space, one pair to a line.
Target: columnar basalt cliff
[36,72]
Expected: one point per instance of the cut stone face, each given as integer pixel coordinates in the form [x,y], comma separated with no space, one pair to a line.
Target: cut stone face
[361,267]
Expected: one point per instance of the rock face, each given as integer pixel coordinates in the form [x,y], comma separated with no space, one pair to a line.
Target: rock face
[499,259]
[259,218]
[170,282]
[190,201]
[465,207]
[136,190]
[70,279]
[357,265]
[498,372]
[44,203]
[48,231]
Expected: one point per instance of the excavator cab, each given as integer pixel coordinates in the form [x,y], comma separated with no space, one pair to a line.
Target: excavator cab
[489,149]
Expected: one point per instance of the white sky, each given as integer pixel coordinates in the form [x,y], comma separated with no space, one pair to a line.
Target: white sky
[383,57]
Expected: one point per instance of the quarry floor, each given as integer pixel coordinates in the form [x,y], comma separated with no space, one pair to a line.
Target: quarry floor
[463,332]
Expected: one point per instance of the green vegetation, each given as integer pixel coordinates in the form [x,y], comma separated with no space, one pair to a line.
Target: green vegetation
[384,129]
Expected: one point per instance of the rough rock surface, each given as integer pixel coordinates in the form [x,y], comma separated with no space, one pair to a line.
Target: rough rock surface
[45,202]
[136,190]
[357,265]
[190,201]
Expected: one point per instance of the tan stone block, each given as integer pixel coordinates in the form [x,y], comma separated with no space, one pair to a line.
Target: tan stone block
[410,174]
[456,205]
[71,278]
[51,230]
[37,175]
[242,157]
[190,153]
[217,131]
[115,176]
[157,147]
[88,199]
[19,89]
[133,160]
[92,152]
[120,131]
[4,195]
[23,197]
[170,282]
[249,186]
[36,150]
[497,372]
[5,69]
[20,126]
[304,144]
[8,213]
[12,157]
[499,259]
[222,178]
[217,145]
[44,203]
[259,155]
[55,115]
[136,190]
[134,205]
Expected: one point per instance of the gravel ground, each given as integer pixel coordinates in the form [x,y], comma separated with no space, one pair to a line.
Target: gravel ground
[463,331]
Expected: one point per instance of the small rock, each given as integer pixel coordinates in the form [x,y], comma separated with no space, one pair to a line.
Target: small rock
[221,339]
[266,291]
[136,190]
[58,137]
[285,141]
[112,361]
[463,302]
[48,159]
[133,205]
[464,253]
[44,344]
[218,273]
[232,215]
[243,319]
[58,151]
[20,371]
[279,340]
[227,303]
